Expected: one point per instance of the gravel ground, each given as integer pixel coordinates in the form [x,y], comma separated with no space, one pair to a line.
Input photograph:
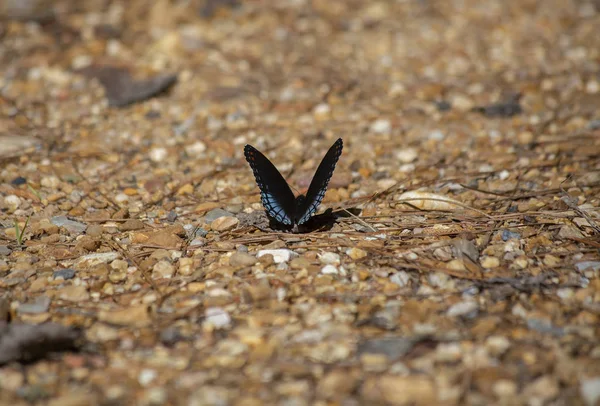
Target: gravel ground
[458,261]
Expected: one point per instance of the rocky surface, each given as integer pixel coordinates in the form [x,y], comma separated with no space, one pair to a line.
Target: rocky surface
[460,264]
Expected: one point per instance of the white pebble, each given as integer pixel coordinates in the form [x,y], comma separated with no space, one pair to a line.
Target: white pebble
[12,202]
[329,270]
[196,148]
[217,318]
[381,126]
[158,154]
[462,308]
[146,376]
[407,155]
[590,390]
[279,256]
[330,258]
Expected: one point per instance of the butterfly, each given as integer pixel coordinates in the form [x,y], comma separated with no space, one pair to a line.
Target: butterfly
[277,197]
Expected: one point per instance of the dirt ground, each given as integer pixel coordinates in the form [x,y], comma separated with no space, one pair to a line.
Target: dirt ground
[458,259]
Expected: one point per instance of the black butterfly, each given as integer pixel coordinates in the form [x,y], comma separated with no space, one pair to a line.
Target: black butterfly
[277,197]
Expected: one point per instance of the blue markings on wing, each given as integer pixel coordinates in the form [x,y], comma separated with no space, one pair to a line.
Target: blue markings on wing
[274,209]
[318,186]
[276,196]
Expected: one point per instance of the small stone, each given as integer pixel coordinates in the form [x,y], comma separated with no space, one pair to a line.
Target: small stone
[490,262]
[507,235]
[134,316]
[50,182]
[65,274]
[71,226]
[4,251]
[119,265]
[399,390]
[400,278]
[588,266]
[225,223]
[186,266]
[117,276]
[497,345]
[551,260]
[12,203]
[217,318]
[322,111]
[158,154]
[465,308]
[91,260]
[330,258]
[279,255]
[450,352]
[329,270]
[356,253]
[590,390]
[146,376]
[186,189]
[381,126]
[407,155]
[40,305]
[542,390]
[131,224]
[196,148]
[504,388]
[74,294]
[443,253]
[242,259]
[214,214]
[569,232]
[525,137]
[163,269]
[94,230]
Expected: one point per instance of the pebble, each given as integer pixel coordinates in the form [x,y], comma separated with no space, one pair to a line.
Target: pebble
[214,214]
[279,255]
[356,253]
[381,126]
[542,390]
[65,274]
[217,318]
[131,224]
[588,265]
[448,352]
[490,262]
[186,266]
[4,251]
[466,308]
[330,270]
[407,155]
[163,269]
[590,390]
[91,260]
[399,390]
[497,345]
[50,182]
[40,305]
[242,259]
[133,316]
[147,376]
[158,154]
[71,226]
[225,223]
[12,203]
[400,278]
[74,293]
[329,258]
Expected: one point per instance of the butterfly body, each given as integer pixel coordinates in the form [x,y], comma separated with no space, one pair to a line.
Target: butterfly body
[277,197]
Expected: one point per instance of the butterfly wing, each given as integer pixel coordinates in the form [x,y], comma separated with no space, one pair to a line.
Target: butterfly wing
[275,194]
[318,185]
